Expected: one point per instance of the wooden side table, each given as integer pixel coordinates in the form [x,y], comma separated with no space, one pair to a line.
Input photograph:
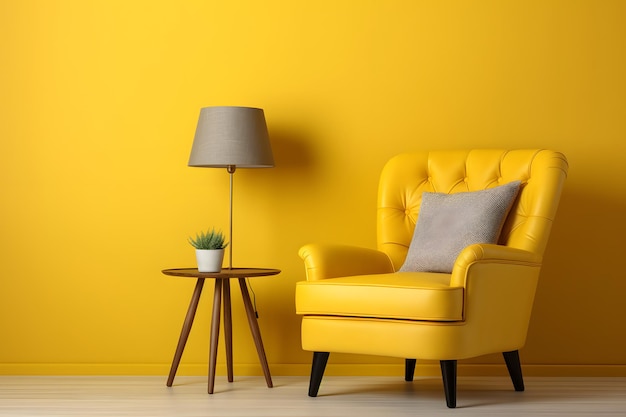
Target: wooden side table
[222,289]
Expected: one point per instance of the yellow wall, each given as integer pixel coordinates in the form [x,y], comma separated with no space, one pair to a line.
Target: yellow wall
[99,102]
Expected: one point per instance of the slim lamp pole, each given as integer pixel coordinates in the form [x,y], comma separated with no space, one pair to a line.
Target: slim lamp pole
[231,171]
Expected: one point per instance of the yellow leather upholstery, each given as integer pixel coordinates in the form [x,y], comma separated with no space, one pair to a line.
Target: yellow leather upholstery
[404,296]
[354,302]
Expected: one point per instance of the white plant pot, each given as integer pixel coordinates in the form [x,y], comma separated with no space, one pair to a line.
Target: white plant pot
[209,260]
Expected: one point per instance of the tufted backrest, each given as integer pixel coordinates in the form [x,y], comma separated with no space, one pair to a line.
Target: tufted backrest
[405,177]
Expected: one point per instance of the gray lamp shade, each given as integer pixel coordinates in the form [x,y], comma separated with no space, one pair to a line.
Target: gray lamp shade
[231,136]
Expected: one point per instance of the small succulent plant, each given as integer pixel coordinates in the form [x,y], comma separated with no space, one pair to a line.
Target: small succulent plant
[211,239]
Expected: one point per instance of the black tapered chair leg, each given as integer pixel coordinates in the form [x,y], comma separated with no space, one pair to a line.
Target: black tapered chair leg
[317,372]
[515,369]
[409,369]
[448,372]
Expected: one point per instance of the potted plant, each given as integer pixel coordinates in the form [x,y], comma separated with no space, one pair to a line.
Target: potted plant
[209,250]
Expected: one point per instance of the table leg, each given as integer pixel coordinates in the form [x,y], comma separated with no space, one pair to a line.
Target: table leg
[184,334]
[228,329]
[215,333]
[254,328]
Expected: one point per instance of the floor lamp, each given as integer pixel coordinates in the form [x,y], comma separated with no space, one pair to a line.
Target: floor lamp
[231,137]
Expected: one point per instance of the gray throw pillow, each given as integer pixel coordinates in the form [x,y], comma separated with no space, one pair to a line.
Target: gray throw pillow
[447,223]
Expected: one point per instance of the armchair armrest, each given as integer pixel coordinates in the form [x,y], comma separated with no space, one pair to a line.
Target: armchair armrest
[500,284]
[330,261]
[490,253]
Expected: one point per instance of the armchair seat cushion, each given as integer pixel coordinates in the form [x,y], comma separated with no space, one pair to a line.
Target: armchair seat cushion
[425,296]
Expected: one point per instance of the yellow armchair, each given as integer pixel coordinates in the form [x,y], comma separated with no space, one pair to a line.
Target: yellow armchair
[356,300]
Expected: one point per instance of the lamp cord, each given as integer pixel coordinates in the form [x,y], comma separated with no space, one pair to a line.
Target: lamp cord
[231,171]
[256,312]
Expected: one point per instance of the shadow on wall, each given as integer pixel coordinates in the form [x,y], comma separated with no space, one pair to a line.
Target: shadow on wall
[294,168]
[579,300]
[293,155]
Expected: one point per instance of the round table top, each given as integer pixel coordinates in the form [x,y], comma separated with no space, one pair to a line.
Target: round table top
[223,274]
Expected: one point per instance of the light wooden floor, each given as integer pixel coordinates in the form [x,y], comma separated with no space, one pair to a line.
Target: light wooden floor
[339,396]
